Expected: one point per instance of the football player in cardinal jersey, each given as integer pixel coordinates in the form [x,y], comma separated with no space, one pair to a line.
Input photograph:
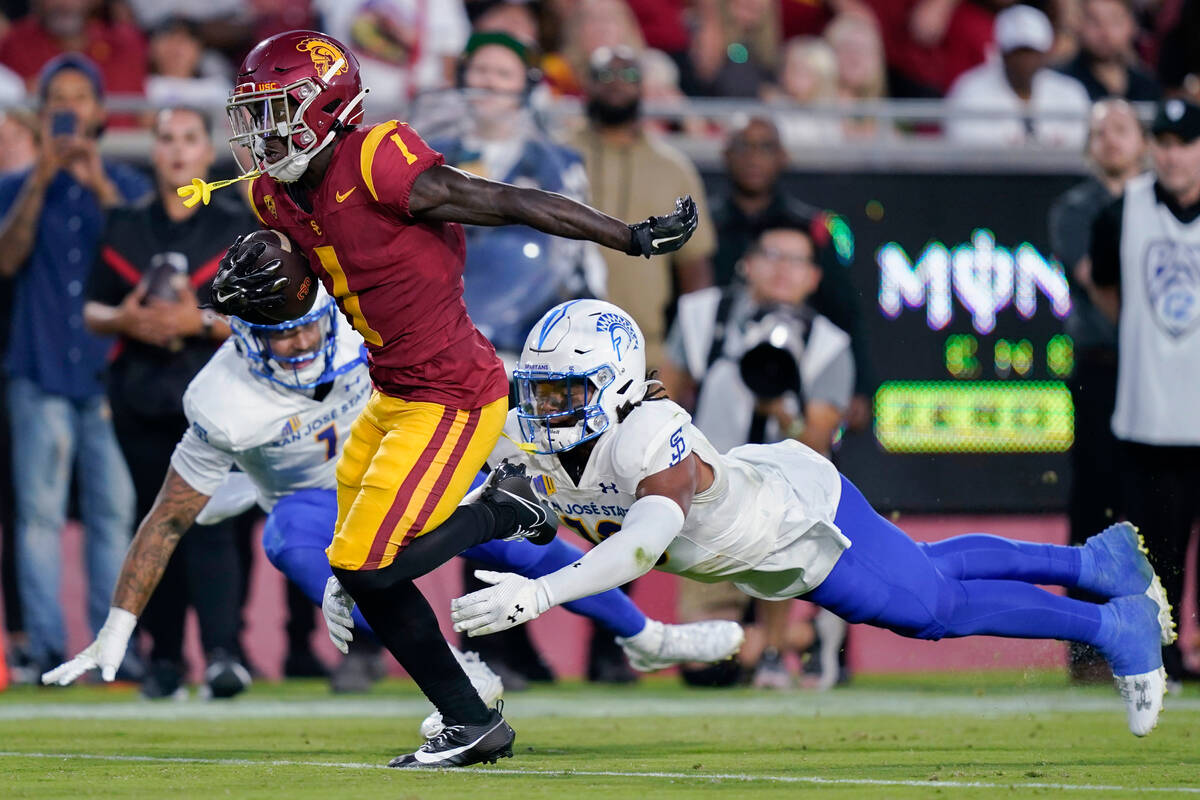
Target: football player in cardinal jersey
[378,213]
[624,466]
[274,401]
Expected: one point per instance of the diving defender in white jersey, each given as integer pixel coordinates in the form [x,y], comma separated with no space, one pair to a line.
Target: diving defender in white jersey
[623,464]
[274,401]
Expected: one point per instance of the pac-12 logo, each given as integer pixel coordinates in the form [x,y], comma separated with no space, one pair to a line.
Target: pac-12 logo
[621,331]
[1172,273]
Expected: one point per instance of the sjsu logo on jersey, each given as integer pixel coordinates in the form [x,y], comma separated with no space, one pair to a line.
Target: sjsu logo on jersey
[621,332]
[678,446]
[608,487]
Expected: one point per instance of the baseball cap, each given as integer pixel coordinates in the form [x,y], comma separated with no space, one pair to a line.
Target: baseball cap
[1177,116]
[1023,26]
[66,61]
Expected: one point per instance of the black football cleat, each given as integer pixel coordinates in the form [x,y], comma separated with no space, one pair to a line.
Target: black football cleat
[463,745]
[508,485]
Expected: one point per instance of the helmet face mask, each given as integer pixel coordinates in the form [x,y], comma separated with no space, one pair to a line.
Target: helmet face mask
[299,87]
[299,371]
[581,362]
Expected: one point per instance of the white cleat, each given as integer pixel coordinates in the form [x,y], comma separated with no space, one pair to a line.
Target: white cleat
[1166,620]
[659,646]
[486,683]
[1143,696]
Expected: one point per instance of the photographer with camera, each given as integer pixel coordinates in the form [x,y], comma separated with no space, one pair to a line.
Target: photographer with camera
[762,367]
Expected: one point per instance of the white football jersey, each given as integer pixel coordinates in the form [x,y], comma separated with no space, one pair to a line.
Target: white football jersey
[766,523]
[281,438]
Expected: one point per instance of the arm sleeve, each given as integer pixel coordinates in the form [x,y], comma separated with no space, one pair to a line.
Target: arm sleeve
[393,155]
[652,523]
[1105,248]
[200,463]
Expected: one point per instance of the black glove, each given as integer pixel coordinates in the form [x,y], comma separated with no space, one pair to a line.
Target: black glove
[665,234]
[243,287]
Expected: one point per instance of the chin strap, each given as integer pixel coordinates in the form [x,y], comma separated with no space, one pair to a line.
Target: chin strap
[201,191]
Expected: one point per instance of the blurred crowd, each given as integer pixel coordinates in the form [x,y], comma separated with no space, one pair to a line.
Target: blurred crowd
[754,326]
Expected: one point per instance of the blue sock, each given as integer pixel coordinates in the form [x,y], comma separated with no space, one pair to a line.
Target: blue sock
[612,609]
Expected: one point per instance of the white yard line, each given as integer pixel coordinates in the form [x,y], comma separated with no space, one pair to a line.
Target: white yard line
[832,704]
[691,776]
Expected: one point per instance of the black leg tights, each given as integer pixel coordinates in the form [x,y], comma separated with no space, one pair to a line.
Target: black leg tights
[406,625]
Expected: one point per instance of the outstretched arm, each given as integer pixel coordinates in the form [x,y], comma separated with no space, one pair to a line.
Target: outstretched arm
[653,521]
[445,194]
[173,512]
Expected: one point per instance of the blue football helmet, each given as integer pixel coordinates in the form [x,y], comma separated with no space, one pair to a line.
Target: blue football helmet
[581,362]
[298,372]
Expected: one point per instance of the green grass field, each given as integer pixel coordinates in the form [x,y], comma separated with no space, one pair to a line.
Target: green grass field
[983,735]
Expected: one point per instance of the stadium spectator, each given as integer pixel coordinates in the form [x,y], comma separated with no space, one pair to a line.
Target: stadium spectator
[49,234]
[589,26]
[861,69]
[1117,153]
[516,19]
[54,27]
[182,72]
[763,366]
[1143,261]
[630,173]
[755,161]
[661,91]
[929,43]
[735,51]
[1019,83]
[1179,57]
[808,77]
[155,265]
[514,274]
[403,46]
[18,151]
[1107,64]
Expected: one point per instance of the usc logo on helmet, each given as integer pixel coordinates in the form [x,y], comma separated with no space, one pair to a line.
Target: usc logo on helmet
[324,55]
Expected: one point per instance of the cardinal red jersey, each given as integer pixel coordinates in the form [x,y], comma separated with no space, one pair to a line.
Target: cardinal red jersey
[399,281]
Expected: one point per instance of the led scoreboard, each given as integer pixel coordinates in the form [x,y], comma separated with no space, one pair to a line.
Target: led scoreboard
[998,394]
[963,307]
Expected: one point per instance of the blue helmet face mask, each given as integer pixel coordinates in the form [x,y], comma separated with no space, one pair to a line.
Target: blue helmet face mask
[302,371]
[559,410]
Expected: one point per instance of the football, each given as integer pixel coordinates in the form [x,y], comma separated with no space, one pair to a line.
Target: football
[301,289]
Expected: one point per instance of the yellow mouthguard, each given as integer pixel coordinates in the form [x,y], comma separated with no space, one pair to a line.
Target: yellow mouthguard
[201,191]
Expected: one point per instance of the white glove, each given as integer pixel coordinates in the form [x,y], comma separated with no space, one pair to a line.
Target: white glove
[510,601]
[337,607]
[106,652]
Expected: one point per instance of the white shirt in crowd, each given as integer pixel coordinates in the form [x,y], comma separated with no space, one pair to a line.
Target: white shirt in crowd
[985,88]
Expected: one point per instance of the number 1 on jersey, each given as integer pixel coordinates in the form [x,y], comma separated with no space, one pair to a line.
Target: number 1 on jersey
[329,436]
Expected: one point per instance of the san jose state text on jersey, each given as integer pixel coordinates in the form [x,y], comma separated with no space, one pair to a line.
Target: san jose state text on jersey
[316,426]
